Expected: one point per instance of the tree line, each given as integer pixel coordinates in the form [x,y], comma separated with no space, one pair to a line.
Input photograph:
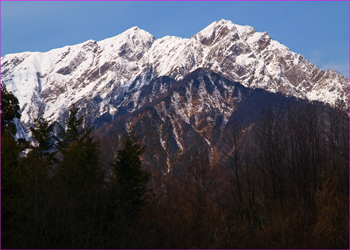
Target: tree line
[281,182]
[55,192]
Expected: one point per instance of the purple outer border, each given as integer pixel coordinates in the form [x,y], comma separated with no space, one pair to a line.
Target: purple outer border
[161,1]
[175,1]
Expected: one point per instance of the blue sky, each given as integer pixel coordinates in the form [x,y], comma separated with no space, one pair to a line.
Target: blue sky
[317,30]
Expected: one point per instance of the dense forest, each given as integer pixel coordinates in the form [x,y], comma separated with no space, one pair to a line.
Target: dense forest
[285,185]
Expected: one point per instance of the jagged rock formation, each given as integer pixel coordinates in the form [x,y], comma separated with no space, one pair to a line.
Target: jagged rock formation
[175,92]
[52,81]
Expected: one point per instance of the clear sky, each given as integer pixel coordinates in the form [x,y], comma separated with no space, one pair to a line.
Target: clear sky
[317,30]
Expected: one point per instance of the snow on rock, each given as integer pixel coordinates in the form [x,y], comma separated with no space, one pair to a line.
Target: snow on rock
[101,73]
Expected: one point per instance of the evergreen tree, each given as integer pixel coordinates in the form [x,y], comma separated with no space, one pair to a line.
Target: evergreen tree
[71,131]
[38,163]
[79,153]
[40,157]
[9,146]
[128,196]
[42,135]
[12,172]
[79,180]
[9,111]
[130,180]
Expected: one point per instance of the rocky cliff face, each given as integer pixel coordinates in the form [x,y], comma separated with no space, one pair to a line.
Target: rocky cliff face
[121,75]
[198,114]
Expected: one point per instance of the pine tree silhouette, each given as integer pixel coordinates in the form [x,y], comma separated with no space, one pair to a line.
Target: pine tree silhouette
[130,180]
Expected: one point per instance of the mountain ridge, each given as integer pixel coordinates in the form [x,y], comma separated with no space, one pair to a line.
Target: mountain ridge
[48,83]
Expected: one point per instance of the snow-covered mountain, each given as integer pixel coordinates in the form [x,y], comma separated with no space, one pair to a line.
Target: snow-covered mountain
[105,78]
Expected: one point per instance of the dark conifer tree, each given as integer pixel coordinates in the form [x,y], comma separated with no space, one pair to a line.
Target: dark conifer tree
[71,131]
[12,172]
[10,148]
[42,135]
[39,163]
[80,180]
[79,153]
[130,180]
[128,196]
[9,111]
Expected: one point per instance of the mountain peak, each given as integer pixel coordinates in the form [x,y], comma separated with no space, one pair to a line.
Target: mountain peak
[225,22]
[49,82]
[215,31]
[219,24]
[136,30]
